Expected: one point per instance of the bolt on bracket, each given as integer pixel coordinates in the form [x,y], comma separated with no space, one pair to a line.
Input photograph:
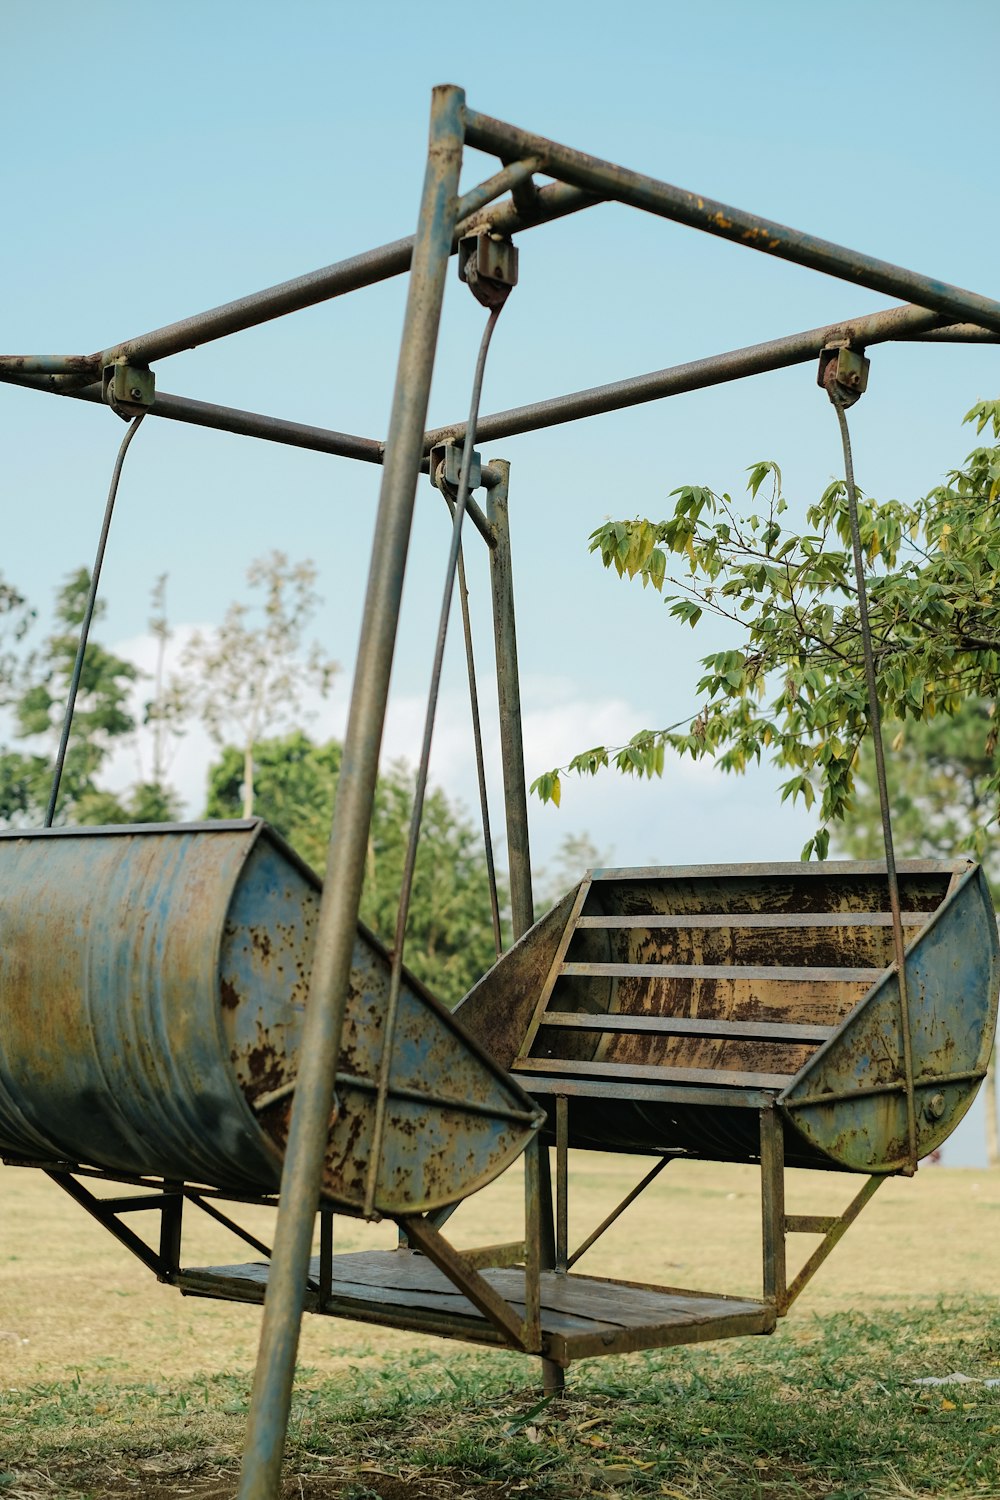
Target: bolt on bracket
[845,368]
[446,467]
[128,389]
[487,262]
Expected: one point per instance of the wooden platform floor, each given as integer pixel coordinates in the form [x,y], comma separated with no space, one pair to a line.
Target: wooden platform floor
[582,1316]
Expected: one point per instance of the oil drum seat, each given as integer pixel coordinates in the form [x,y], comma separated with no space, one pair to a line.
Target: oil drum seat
[668,1007]
[152,990]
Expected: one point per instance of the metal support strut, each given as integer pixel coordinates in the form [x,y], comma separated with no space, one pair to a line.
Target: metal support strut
[314,1094]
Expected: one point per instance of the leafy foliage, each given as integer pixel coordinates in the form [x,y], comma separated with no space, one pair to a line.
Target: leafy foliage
[575,854]
[793,687]
[16,616]
[450,935]
[939,773]
[38,692]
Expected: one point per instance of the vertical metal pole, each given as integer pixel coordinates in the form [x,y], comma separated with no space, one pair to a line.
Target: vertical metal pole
[772,1198]
[325,1256]
[562,1182]
[171,1220]
[538,1178]
[533,1156]
[314,1093]
[515,787]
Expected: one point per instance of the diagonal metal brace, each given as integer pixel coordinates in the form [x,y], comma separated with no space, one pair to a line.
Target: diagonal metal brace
[463,1275]
[834,1234]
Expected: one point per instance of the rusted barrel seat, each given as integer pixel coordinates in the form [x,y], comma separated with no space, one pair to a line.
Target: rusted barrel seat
[153,983]
[670,1005]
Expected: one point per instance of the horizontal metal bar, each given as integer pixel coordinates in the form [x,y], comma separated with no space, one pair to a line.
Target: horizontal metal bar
[720,219]
[722,1078]
[648,1093]
[774,974]
[805,869]
[49,364]
[894,1086]
[955,333]
[565,1348]
[413,1096]
[684,1026]
[136,1179]
[836,1233]
[740,919]
[269,429]
[133,1205]
[841,1096]
[553,202]
[810,1223]
[717,369]
[489,1257]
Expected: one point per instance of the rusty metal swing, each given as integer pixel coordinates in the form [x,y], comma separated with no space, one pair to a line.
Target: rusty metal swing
[183,1010]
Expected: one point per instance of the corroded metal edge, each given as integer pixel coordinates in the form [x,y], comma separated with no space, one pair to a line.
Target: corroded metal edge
[970,873]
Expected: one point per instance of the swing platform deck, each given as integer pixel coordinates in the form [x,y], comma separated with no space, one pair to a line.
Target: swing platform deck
[581,1316]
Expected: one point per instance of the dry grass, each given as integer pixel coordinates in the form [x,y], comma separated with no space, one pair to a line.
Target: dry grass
[115,1385]
[72,1298]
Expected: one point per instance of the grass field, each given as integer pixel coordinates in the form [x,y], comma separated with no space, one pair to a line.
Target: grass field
[114,1385]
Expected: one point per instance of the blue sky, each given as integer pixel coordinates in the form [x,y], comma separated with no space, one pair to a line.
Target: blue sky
[164,159]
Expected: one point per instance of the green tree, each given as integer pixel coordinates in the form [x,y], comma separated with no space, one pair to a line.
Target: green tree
[37,695]
[449,941]
[16,616]
[791,687]
[246,679]
[575,854]
[938,772]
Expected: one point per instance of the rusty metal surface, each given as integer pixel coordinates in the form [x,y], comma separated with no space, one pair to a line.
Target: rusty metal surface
[498,1010]
[745,982]
[111,1049]
[152,989]
[953,975]
[608,180]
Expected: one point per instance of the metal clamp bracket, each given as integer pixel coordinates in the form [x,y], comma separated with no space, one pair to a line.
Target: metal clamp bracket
[487,263]
[846,369]
[128,389]
[446,467]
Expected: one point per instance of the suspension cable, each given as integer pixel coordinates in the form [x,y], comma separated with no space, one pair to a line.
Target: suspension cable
[477,736]
[88,615]
[420,786]
[842,397]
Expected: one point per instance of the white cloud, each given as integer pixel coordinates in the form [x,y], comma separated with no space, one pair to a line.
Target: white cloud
[694,814]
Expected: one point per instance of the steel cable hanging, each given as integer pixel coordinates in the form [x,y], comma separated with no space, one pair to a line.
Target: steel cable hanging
[420,787]
[841,399]
[477,735]
[88,615]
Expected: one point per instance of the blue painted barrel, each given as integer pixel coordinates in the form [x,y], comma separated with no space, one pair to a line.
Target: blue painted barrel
[153,983]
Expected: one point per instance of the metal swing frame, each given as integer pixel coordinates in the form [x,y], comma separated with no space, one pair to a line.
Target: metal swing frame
[120,376]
